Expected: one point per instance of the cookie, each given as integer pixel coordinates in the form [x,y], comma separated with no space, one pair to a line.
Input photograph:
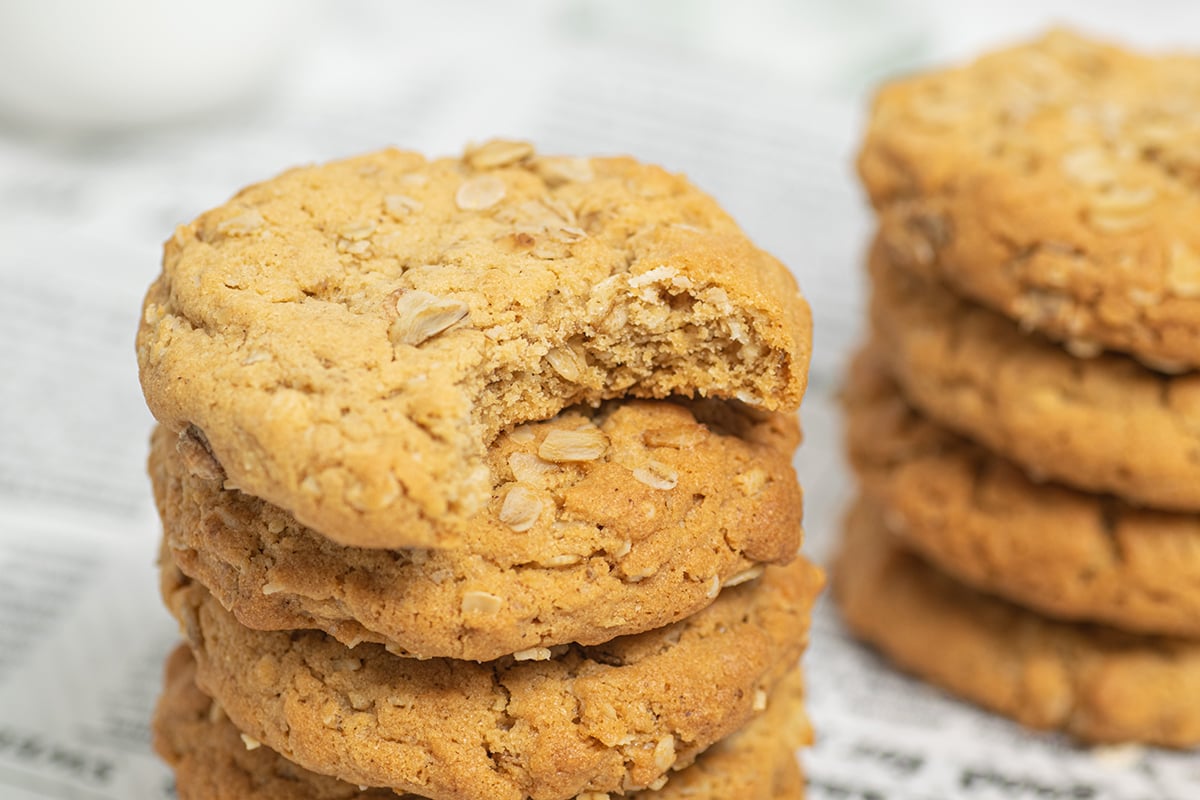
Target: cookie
[1094,683]
[648,531]
[1055,182]
[1106,424]
[1064,553]
[347,339]
[212,762]
[609,718]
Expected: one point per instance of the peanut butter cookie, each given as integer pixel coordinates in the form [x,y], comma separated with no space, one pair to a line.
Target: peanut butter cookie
[602,523]
[348,339]
[1057,182]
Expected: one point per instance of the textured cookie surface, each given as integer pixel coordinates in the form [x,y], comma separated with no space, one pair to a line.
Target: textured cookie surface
[614,717]
[1057,182]
[350,337]
[1064,553]
[639,531]
[1106,424]
[212,762]
[1094,683]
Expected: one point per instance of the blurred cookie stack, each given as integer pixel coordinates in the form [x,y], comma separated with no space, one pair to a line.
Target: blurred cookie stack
[1025,420]
[475,479]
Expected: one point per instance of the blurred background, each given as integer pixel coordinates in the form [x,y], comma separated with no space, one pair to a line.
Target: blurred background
[120,119]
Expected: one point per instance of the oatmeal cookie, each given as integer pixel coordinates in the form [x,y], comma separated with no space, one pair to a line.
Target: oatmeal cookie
[669,503]
[348,339]
[614,717]
[1106,424]
[1064,553]
[1057,182]
[212,761]
[1094,683]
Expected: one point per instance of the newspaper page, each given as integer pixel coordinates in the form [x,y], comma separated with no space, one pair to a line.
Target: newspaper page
[82,631]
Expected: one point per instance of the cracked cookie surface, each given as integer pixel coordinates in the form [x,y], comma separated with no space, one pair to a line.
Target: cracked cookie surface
[609,718]
[349,338]
[212,762]
[1057,182]
[1105,424]
[661,505]
[1064,553]
[1094,683]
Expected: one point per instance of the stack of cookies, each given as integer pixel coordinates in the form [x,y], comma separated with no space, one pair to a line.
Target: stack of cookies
[475,480]
[1025,421]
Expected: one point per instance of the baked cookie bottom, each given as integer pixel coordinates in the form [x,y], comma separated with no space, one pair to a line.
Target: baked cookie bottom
[212,761]
[610,718]
[1096,684]
[1063,553]
[1102,424]
[603,522]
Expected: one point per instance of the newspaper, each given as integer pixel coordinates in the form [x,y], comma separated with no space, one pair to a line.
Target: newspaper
[82,631]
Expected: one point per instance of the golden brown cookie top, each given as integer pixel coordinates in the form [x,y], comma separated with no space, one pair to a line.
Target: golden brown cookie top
[1057,182]
[349,337]
[675,501]
[609,718]
[212,760]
